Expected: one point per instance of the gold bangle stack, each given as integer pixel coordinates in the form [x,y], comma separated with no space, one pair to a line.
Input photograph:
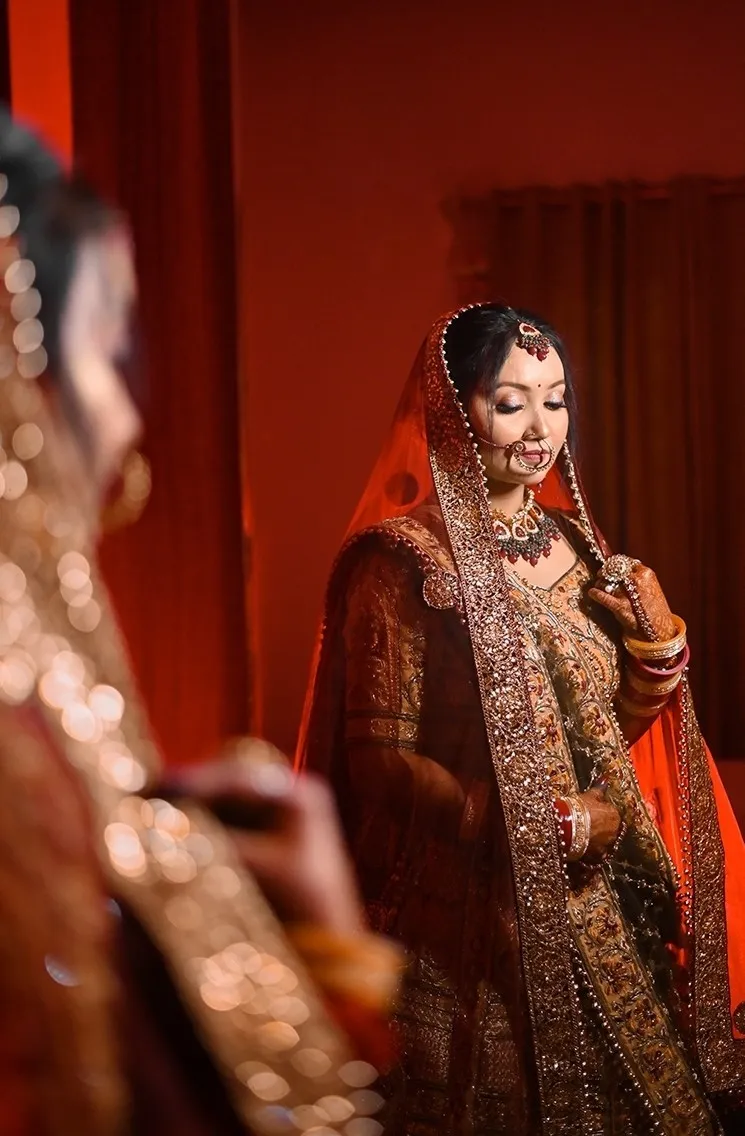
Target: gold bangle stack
[664,686]
[651,652]
[640,710]
[581,827]
[658,689]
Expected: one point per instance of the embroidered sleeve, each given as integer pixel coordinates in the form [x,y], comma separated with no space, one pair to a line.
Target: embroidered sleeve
[384,642]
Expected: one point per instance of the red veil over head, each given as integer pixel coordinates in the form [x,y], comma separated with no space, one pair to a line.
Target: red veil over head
[429,471]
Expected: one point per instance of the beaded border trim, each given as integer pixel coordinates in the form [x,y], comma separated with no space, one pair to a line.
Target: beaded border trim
[545,936]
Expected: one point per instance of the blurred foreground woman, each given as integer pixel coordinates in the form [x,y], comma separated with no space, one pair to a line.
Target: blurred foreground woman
[145,982]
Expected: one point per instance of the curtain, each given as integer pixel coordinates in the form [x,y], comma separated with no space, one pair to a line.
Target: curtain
[648,287]
[4,53]
[153,130]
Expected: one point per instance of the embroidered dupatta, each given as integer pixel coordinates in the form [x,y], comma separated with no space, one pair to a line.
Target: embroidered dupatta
[427,495]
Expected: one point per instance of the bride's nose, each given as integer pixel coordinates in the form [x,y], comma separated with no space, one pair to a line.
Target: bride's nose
[538,429]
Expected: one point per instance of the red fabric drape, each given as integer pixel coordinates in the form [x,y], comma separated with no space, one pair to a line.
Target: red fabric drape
[152,124]
[647,285]
[37,35]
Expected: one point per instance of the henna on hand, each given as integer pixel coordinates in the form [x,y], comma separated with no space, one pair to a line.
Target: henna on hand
[651,598]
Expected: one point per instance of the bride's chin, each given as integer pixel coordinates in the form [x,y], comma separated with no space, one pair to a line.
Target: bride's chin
[520,477]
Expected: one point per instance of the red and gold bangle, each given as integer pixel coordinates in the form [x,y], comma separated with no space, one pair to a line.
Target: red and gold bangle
[581,825]
[566,823]
[654,689]
[664,672]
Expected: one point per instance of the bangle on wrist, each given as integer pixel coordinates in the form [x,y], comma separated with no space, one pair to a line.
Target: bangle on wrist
[565,822]
[641,649]
[655,689]
[581,825]
[640,710]
[663,672]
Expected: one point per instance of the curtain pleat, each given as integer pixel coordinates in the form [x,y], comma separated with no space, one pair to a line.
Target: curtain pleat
[153,130]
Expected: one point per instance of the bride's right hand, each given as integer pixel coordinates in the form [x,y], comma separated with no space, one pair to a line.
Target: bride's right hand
[605,821]
[292,841]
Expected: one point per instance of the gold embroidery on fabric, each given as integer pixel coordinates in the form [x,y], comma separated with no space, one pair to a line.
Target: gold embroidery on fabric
[440,588]
[387,632]
[396,730]
[566,599]
[385,662]
[634,1016]
[582,663]
[540,889]
[59,953]
[722,1056]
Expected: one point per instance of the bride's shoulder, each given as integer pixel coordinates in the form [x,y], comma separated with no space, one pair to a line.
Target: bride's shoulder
[405,551]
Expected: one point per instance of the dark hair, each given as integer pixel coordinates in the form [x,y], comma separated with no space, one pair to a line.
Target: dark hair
[478,342]
[57,212]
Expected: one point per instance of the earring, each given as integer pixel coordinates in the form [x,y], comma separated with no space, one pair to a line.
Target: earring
[136,486]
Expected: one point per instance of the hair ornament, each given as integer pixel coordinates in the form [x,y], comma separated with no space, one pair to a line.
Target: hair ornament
[530,339]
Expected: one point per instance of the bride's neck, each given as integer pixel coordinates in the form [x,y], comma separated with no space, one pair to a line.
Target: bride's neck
[507,499]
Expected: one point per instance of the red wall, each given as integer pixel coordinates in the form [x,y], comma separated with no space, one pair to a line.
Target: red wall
[357,121]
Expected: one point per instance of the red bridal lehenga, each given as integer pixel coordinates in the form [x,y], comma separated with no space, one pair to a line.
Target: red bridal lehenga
[451,704]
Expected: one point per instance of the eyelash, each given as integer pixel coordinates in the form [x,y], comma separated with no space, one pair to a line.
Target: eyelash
[505,408]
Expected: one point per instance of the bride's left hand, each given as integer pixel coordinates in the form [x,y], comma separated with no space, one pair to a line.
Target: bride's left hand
[651,597]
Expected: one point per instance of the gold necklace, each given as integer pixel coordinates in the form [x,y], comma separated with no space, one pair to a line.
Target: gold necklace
[528,534]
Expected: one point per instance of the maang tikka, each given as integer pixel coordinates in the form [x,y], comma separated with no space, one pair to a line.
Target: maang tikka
[530,339]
